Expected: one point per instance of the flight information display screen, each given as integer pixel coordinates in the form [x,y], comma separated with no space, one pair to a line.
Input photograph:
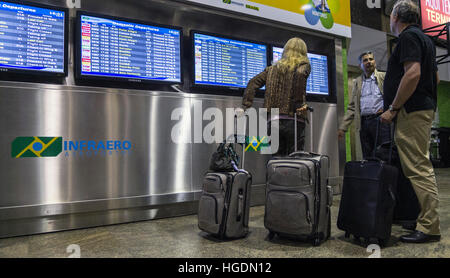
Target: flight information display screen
[32,38]
[317,83]
[226,62]
[122,49]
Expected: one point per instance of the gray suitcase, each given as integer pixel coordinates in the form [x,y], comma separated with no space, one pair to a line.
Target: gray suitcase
[298,197]
[225,203]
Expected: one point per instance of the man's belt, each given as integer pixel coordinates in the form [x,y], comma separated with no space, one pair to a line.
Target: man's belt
[370,117]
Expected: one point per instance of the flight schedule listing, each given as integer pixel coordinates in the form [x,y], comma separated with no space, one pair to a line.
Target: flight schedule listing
[318,78]
[31,38]
[225,62]
[113,48]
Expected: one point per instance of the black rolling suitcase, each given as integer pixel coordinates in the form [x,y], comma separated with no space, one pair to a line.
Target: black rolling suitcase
[298,198]
[407,207]
[224,205]
[367,202]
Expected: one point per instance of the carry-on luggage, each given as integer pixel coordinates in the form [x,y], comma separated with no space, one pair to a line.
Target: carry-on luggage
[225,201]
[367,202]
[407,207]
[298,198]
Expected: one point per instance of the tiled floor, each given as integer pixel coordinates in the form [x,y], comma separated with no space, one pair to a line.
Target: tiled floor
[180,237]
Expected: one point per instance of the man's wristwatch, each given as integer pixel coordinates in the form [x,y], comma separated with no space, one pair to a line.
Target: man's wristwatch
[392,109]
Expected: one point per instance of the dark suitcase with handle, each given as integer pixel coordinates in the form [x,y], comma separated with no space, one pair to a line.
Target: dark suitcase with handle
[367,202]
[368,199]
[407,207]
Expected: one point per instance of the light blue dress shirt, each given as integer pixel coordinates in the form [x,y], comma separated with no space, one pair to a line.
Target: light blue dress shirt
[371,98]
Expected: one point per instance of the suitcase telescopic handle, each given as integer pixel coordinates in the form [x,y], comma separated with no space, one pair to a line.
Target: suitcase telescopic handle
[391,145]
[236,136]
[310,109]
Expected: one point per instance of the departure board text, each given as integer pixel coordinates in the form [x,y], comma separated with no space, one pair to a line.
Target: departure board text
[225,62]
[113,48]
[31,38]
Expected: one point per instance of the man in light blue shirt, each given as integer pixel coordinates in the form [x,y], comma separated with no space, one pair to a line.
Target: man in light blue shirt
[371,97]
[365,105]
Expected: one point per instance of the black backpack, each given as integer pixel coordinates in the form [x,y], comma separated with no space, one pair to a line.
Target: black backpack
[222,160]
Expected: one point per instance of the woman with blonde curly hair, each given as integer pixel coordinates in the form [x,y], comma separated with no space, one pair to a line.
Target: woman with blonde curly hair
[285,83]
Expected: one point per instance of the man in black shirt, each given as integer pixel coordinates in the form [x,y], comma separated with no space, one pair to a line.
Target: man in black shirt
[410,96]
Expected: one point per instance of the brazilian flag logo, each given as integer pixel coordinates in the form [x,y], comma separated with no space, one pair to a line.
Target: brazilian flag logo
[36,146]
[254,144]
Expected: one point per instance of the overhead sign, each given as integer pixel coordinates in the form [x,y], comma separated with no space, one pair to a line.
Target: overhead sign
[435,12]
[330,16]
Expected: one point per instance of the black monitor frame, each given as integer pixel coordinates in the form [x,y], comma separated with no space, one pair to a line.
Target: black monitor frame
[220,89]
[331,97]
[21,74]
[121,82]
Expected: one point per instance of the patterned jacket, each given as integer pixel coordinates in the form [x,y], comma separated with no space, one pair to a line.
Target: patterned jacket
[284,91]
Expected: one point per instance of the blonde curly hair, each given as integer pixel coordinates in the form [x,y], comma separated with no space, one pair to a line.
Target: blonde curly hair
[294,54]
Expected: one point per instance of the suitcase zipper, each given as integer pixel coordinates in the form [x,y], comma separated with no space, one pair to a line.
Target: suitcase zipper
[300,163]
[216,206]
[220,179]
[230,181]
[317,185]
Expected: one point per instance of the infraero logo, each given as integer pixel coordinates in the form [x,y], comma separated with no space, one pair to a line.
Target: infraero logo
[317,10]
[52,146]
[36,147]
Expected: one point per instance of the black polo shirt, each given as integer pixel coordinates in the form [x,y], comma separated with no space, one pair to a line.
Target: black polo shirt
[413,46]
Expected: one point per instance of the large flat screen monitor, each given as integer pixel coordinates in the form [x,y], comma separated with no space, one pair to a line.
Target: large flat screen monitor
[125,50]
[33,39]
[317,83]
[226,62]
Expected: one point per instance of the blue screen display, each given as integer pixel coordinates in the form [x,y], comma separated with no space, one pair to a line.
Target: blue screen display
[114,48]
[317,83]
[31,38]
[226,62]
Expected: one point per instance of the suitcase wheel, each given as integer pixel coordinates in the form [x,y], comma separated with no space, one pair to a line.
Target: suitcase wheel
[271,235]
[316,242]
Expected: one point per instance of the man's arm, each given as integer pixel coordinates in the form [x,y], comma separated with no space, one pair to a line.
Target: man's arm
[349,115]
[405,90]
